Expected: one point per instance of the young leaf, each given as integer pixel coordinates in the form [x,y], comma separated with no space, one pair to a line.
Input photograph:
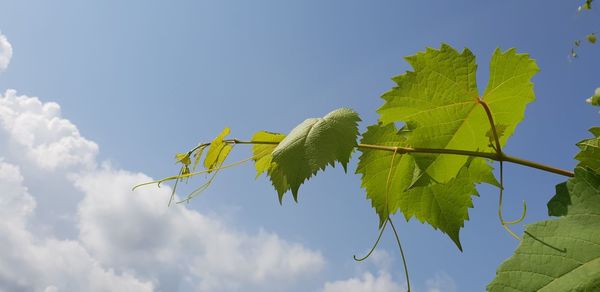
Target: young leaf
[561,254]
[439,103]
[197,157]
[591,38]
[585,6]
[313,145]
[262,152]
[218,151]
[594,99]
[443,205]
[183,158]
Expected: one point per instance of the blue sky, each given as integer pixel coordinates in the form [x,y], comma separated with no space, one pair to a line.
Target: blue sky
[144,80]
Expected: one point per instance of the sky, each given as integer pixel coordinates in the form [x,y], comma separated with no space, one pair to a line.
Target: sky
[96,97]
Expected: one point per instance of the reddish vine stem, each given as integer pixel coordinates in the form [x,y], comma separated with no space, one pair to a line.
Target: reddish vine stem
[489,155]
[488,112]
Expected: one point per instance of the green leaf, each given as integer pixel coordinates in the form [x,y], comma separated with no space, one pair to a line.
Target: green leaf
[279,181]
[509,88]
[439,103]
[558,205]
[197,157]
[313,145]
[262,152]
[374,166]
[561,254]
[218,151]
[183,158]
[443,205]
[591,38]
[590,151]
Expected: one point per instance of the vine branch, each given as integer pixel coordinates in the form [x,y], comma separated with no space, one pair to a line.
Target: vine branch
[420,150]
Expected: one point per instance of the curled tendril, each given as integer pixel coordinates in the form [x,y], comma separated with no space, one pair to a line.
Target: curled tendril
[399,246]
[374,245]
[497,146]
[506,223]
[523,214]
[387,189]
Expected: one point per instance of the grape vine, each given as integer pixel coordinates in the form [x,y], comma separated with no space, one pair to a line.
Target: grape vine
[430,167]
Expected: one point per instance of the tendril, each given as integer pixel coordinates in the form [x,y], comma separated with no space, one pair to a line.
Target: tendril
[181,176]
[498,148]
[199,190]
[401,253]
[174,188]
[388,180]
[374,245]
[506,223]
[387,189]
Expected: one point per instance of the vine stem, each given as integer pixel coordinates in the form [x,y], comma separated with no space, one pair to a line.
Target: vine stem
[489,155]
[420,150]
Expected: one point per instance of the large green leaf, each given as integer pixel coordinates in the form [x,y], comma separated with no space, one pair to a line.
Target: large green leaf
[374,166]
[590,151]
[442,205]
[561,254]
[311,146]
[439,103]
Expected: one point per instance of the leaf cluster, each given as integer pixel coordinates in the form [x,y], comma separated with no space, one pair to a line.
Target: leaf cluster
[435,141]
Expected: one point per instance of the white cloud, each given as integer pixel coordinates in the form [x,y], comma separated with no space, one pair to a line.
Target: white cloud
[366,283]
[115,239]
[38,135]
[5,52]
[441,282]
[154,241]
[382,261]
[382,281]
[30,263]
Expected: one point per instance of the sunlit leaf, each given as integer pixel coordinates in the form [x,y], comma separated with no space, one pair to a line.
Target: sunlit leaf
[262,152]
[218,151]
[439,103]
[442,205]
[313,145]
